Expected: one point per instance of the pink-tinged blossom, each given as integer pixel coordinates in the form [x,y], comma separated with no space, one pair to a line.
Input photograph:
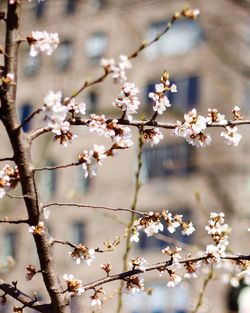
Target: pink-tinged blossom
[82,253]
[174,254]
[159,98]
[174,279]
[118,70]
[123,138]
[73,284]
[37,229]
[231,136]
[90,159]
[42,42]
[214,116]
[153,228]
[152,135]
[192,129]
[188,228]
[9,178]
[127,101]
[135,236]
[75,107]
[138,263]
[134,284]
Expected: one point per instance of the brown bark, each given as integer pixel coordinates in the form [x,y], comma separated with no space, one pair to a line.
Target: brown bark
[21,150]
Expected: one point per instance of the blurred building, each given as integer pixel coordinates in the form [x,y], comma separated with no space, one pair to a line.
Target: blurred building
[208,59]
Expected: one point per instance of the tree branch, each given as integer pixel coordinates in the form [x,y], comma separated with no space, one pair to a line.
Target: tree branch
[26,300]
[102,207]
[16,221]
[157,266]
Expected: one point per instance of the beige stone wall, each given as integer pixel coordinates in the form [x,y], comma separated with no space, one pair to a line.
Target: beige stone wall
[221,177]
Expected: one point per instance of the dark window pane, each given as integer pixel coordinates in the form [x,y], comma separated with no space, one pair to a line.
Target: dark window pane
[25,111]
[71,6]
[48,181]
[171,159]
[78,232]
[96,46]
[40,9]
[63,55]
[155,243]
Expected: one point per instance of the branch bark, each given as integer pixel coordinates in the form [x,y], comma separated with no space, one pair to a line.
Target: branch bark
[21,147]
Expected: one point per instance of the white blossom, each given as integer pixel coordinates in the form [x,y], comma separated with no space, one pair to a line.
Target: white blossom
[231,136]
[73,284]
[118,70]
[41,41]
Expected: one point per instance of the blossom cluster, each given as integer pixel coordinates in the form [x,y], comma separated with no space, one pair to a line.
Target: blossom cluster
[74,285]
[41,41]
[161,101]
[56,111]
[121,136]
[193,126]
[118,70]
[128,101]
[95,300]
[219,233]
[90,159]
[134,284]
[9,178]
[37,229]
[83,253]
[151,224]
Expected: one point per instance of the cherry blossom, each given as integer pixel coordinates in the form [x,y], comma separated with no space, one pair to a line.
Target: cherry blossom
[231,136]
[41,41]
[117,70]
[73,284]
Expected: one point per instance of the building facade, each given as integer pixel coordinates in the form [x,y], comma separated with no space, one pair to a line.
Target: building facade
[207,59]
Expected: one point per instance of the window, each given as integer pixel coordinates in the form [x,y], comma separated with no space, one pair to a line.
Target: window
[162,300]
[91,102]
[78,233]
[96,46]
[181,38]
[187,96]
[8,246]
[25,111]
[63,55]
[39,9]
[182,101]
[31,64]
[170,159]
[159,242]
[70,7]
[48,180]
[82,182]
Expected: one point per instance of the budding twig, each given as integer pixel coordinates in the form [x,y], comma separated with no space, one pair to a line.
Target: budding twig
[102,207]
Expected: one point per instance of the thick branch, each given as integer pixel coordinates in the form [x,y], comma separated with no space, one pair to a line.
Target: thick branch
[21,146]
[157,266]
[23,298]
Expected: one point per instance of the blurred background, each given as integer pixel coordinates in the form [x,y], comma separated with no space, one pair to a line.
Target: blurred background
[209,61]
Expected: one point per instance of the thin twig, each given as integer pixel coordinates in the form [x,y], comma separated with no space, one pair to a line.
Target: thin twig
[204,287]
[132,218]
[15,221]
[50,168]
[133,55]
[102,207]
[27,119]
